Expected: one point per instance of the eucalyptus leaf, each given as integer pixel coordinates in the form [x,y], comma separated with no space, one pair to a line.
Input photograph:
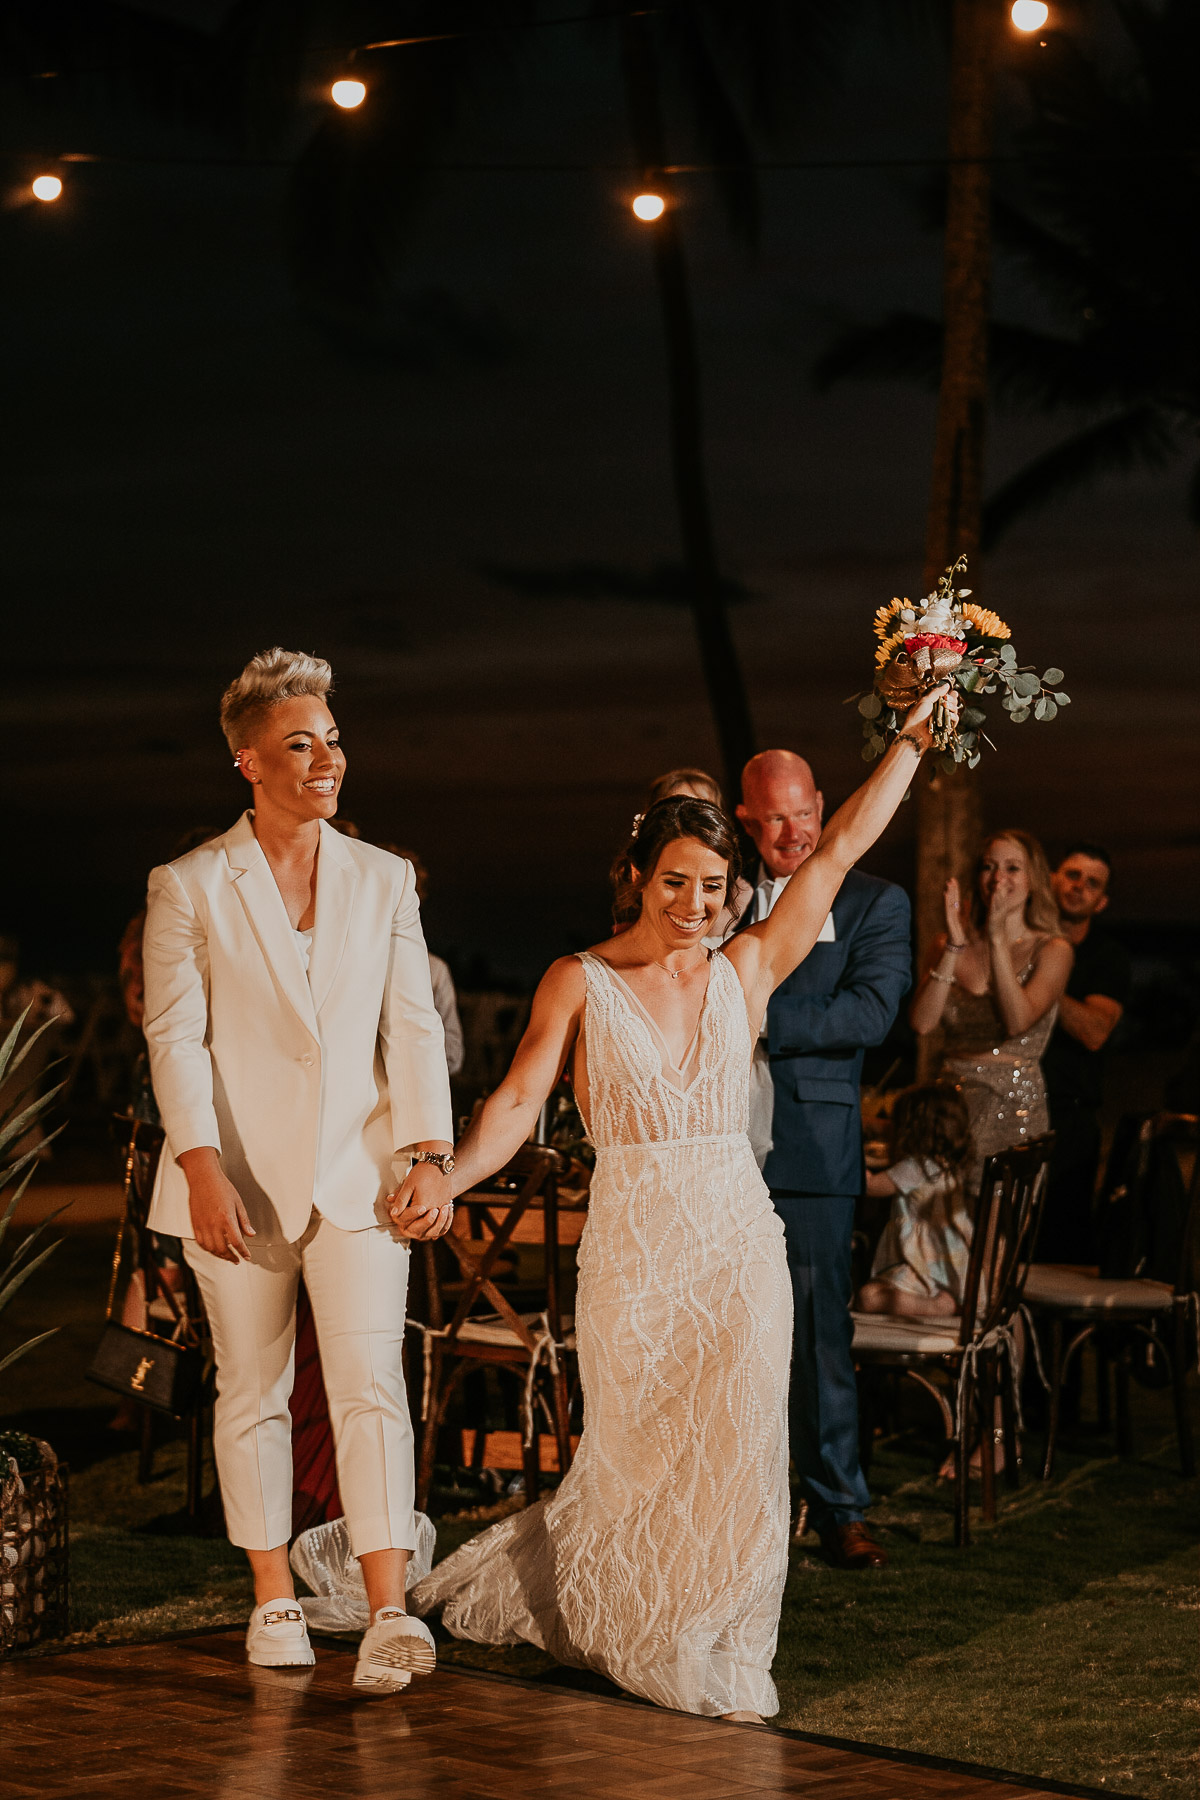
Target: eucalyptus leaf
[870,706]
[1045,708]
[1008,654]
[973,759]
[1062,699]
[972,715]
[1052,677]
[1019,718]
[1026,685]
[869,753]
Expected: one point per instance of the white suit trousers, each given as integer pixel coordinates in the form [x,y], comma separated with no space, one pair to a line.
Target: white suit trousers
[358,1283]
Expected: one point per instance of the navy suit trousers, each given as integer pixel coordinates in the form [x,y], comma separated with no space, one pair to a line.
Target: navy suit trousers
[823,1405]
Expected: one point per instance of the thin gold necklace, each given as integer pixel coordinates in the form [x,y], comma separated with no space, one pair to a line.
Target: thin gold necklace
[673,973]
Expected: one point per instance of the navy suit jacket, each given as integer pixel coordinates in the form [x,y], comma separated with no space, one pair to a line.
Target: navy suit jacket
[843,997]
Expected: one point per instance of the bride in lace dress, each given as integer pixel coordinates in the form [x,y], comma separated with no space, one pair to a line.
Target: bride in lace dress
[660,1560]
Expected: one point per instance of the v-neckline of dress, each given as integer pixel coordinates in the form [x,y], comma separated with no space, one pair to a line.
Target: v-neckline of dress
[666,1067]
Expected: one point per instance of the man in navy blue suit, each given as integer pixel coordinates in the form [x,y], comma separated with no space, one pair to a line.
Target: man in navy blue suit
[844,996]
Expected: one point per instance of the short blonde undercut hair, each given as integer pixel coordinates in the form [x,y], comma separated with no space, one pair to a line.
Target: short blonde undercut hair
[268,678]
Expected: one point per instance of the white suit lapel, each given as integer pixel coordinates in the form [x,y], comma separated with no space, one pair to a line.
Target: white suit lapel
[337,881]
[259,895]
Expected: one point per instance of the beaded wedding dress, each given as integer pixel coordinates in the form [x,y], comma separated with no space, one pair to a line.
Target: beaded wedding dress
[661,1558]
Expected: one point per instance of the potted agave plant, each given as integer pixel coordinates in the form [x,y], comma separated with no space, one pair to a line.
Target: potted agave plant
[33,1483]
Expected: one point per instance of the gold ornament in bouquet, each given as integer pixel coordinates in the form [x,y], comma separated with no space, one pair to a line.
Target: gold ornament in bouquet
[947,638]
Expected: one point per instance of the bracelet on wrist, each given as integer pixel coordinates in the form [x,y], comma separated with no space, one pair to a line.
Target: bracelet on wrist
[946,980]
[949,949]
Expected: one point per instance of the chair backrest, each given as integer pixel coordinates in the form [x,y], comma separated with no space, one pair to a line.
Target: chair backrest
[1150,1200]
[1007,1217]
[527,1184]
[180,1305]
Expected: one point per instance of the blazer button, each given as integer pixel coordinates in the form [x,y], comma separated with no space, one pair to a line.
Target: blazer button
[307,1061]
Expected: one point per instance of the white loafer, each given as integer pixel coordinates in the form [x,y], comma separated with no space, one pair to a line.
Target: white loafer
[394,1649]
[277,1637]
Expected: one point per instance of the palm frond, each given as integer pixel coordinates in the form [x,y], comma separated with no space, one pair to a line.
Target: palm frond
[17,1126]
[25,1248]
[10,1209]
[28,1345]
[905,345]
[13,1282]
[1138,437]
[1046,371]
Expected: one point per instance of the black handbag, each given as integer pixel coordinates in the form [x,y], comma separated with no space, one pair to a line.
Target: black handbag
[166,1373]
[155,1371]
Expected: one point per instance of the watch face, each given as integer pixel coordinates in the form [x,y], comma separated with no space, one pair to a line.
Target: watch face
[447,1165]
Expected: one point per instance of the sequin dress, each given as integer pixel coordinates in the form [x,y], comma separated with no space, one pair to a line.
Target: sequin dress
[1000,1076]
[661,1558]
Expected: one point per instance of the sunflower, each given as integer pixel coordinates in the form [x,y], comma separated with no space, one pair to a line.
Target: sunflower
[890,645]
[987,624]
[886,616]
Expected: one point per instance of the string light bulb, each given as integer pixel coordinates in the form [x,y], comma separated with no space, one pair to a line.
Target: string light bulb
[46,187]
[1029,15]
[649,207]
[348,93]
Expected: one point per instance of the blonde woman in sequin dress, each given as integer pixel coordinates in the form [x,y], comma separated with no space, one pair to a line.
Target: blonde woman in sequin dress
[993,983]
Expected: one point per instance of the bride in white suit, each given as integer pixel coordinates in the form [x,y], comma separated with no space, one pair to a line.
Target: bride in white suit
[296,1054]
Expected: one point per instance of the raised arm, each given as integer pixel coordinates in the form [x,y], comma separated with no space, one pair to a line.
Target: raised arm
[1020,1007]
[765,954]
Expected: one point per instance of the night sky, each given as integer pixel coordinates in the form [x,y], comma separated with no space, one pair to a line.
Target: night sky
[196,469]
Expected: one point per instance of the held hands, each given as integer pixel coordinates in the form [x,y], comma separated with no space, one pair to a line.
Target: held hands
[955,929]
[423,1205]
[220,1223]
[916,721]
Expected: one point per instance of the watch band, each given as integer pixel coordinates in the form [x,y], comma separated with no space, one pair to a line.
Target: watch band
[444,1159]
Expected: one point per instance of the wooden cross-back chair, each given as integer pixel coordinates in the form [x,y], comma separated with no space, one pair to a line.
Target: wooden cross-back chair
[976,1355]
[1152,1309]
[173,1311]
[473,1324]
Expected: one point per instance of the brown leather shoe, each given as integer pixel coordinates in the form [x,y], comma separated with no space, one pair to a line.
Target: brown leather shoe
[852,1547]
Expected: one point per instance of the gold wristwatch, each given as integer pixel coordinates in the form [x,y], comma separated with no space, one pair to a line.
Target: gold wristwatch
[444,1159]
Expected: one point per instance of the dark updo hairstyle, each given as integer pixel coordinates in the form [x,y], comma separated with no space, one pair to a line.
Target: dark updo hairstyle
[679,816]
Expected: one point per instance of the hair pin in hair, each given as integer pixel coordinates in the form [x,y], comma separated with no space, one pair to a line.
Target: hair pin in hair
[637,824]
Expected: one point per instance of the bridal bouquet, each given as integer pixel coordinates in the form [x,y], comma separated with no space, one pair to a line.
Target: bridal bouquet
[947,636]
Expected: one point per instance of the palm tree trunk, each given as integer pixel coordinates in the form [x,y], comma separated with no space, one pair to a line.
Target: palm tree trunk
[949,805]
[718,654]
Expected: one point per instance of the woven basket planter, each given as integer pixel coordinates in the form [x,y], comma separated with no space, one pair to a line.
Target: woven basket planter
[33,1554]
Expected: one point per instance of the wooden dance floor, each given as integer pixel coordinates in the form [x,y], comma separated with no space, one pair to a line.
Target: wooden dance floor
[188,1718]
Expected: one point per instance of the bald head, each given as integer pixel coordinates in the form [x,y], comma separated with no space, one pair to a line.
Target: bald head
[781,809]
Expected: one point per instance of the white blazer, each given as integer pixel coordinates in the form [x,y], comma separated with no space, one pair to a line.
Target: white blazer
[307,1084]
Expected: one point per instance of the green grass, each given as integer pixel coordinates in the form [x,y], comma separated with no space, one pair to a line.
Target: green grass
[1061,1644]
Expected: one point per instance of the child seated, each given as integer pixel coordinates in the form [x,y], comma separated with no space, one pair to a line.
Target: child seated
[921,1261]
